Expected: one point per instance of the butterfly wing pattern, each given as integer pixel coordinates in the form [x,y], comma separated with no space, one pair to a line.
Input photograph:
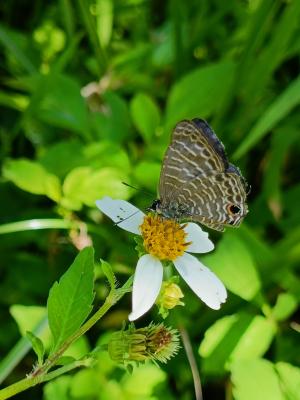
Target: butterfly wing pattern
[197,182]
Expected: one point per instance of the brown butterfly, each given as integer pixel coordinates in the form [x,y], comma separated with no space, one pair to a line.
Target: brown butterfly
[197,182]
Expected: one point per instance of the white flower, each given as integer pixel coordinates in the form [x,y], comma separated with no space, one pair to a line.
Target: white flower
[149,270]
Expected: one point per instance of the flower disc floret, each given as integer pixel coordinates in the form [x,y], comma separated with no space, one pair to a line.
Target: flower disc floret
[163,238]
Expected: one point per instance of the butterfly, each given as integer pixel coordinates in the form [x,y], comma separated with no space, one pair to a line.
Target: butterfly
[197,182]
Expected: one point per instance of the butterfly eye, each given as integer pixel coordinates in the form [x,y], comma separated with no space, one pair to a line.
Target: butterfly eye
[233,209]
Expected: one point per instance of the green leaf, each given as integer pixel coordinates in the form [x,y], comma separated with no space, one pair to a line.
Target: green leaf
[147,174]
[70,300]
[62,157]
[86,385]
[78,349]
[112,123]
[108,272]
[199,93]
[285,306]
[235,266]
[269,57]
[255,379]
[278,110]
[106,154]
[9,40]
[27,317]
[37,346]
[282,139]
[14,101]
[57,101]
[104,20]
[145,115]
[106,182]
[142,381]
[65,360]
[289,376]
[32,177]
[74,187]
[58,388]
[84,186]
[235,337]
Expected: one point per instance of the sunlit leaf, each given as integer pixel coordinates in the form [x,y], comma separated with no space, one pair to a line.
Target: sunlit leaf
[147,175]
[74,186]
[235,266]
[104,18]
[143,380]
[58,388]
[32,177]
[106,154]
[285,305]
[289,376]
[86,384]
[84,186]
[27,317]
[255,379]
[145,114]
[236,337]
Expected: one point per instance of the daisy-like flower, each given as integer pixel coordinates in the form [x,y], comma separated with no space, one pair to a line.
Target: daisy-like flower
[165,240]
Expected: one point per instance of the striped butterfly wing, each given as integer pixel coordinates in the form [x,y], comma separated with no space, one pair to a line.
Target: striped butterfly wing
[213,199]
[197,179]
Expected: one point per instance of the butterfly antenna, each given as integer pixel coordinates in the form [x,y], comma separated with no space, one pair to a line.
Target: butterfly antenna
[152,195]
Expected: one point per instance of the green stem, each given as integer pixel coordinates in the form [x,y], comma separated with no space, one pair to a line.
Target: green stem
[26,383]
[66,368]
[40,374]
[52,360]
[18,387]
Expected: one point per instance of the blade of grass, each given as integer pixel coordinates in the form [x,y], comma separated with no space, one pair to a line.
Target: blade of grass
[32,224]
[90,25]
[10,44]
[68,17]
[279,109]
[48,223]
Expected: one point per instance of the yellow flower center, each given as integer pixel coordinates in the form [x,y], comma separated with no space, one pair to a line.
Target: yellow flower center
[163,238]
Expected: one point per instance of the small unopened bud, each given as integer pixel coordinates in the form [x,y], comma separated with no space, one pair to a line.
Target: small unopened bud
[169,297]
[154,342]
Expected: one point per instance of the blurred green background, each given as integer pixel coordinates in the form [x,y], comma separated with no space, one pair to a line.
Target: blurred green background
[90,91]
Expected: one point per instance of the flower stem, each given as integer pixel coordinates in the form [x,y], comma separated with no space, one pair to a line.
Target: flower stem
[40,374]
[193,364]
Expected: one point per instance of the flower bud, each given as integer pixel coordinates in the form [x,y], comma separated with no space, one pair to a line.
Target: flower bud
[169,297]
[154,342]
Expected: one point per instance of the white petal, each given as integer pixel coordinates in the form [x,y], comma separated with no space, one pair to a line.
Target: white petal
[201,280]
[199,238]
[121,210]
[146,285]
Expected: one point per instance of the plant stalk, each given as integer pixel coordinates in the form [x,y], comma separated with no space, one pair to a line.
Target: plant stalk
[40,375]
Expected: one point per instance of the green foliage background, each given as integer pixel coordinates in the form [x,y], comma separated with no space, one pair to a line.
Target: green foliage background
[90,91]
